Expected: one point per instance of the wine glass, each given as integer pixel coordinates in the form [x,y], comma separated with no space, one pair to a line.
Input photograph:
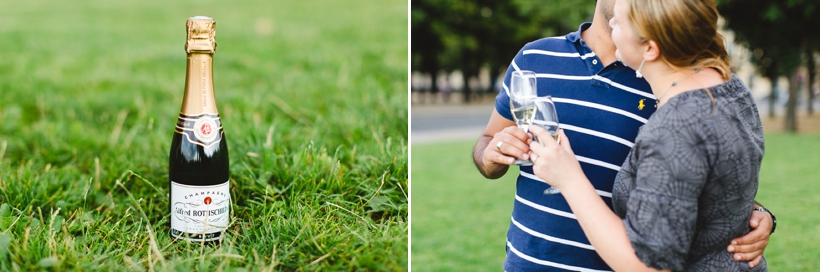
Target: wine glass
[547,118]
[522,94]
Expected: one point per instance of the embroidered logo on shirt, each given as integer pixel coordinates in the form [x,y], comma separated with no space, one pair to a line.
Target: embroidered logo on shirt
[640,104]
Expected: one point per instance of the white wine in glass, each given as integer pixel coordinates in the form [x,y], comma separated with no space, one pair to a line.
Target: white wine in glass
[523,116]
[547,118]
[523,91]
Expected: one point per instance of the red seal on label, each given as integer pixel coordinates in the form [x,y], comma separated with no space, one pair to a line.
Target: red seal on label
[206,129]
[207,200]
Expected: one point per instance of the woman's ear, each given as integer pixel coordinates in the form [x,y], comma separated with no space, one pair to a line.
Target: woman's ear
[651,51]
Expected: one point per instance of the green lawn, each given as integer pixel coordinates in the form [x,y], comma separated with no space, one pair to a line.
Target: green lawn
[460,219]
[313,95]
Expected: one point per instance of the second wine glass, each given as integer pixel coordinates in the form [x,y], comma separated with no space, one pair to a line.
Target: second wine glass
[547,118]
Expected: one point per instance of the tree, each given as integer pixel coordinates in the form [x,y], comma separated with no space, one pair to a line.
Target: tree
[775,30]
[425,43]
[469,34]
[811,67]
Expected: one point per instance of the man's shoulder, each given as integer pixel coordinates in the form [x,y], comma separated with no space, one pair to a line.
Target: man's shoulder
[564,43]
[559,43]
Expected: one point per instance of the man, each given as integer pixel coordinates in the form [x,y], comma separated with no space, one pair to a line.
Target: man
[601,105]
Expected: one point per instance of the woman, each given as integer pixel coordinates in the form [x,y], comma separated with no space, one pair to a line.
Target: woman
[689,183]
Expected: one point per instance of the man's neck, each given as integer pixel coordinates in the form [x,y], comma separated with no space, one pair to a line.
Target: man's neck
[599,39]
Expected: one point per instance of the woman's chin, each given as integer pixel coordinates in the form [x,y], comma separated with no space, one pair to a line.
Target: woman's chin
[619,57]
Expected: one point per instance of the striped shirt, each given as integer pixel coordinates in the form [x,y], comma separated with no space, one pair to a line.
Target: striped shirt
[600,107]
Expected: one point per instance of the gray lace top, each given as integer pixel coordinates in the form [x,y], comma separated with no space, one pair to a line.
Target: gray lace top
[687,187]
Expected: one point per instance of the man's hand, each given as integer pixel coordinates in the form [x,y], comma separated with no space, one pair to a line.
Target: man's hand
[750,247]
[501,143]
[506,145]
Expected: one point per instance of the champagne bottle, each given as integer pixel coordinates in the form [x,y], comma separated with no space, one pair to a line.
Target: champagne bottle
[198,167]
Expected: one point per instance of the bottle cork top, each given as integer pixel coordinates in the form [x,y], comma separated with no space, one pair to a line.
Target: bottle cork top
[201,31]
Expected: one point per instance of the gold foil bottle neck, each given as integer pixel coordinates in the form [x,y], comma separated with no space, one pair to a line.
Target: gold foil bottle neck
[199,81]
[201,32]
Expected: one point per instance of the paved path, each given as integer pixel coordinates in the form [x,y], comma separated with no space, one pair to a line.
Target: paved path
[448,122]
[457,122]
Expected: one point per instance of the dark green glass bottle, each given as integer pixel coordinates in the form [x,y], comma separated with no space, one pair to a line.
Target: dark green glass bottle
[198,167]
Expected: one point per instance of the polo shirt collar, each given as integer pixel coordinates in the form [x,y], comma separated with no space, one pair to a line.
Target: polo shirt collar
[575,36]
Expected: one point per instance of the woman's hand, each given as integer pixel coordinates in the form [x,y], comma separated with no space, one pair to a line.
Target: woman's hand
[555,162]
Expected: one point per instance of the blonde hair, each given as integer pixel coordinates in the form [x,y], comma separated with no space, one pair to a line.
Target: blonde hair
[685,31]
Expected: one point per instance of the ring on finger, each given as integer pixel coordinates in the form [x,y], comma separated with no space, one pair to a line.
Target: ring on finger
[498,145]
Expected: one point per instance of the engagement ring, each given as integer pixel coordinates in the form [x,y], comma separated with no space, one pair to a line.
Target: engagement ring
[498,146]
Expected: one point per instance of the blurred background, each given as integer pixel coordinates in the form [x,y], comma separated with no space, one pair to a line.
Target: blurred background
[459,52]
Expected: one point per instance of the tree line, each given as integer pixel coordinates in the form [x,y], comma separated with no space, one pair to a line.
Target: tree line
[466,35]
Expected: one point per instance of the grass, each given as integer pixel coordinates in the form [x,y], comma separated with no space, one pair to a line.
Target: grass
[788,186]
[460,219]
[313,95]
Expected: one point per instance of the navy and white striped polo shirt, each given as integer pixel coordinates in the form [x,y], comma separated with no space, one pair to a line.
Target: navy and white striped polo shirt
[600,109]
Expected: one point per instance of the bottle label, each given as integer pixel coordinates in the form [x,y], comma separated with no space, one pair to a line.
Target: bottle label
[200,209]
[204,129]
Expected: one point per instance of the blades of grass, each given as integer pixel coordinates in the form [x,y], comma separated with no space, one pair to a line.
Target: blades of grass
[273,261]
[378,190]
[115,135]
[352,213]
[97,168]
[3,150]
[290,112]
[131,172]
[153,240]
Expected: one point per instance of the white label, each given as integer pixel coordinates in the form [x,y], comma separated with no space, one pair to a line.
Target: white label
[200,209]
